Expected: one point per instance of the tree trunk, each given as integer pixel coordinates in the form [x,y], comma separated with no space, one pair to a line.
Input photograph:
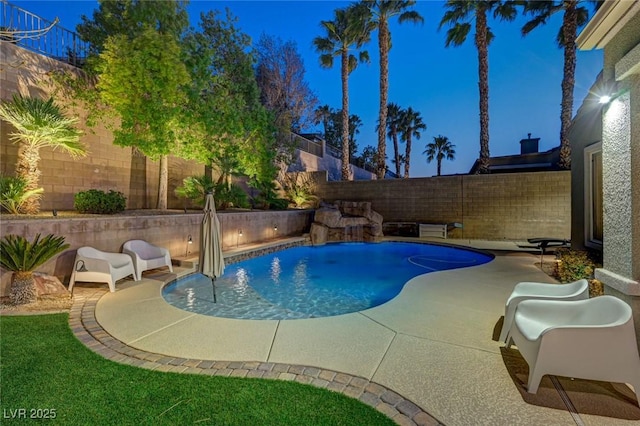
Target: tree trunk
[407,156]
[345,114]
[23,288]
[383,42]
[483,85]
[396,151]
[27,168]
[163,183]
[439,165]
[569,30]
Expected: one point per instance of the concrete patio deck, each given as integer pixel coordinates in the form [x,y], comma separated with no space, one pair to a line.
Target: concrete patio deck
[433,346]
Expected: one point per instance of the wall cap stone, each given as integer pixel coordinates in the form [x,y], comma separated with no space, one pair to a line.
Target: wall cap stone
[618,282]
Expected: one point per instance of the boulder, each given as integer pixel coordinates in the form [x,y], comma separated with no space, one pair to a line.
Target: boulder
[346,221]
[328,216]
[318,234]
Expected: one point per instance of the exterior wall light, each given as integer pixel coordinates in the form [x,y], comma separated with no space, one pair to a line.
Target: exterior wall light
[604,99]
[55,212]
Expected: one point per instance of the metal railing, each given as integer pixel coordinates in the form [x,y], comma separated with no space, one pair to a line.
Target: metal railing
[309,146]
[39,35]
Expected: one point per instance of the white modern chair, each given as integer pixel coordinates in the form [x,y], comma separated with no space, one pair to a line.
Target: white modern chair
[93,265]
[147,256]
[577,290]
[588,339]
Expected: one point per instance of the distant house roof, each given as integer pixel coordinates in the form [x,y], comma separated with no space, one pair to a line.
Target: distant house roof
[529,160]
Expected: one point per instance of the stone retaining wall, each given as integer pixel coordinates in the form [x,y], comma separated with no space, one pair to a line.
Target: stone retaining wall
[171,231]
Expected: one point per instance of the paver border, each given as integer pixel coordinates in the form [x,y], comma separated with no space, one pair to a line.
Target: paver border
[87,329]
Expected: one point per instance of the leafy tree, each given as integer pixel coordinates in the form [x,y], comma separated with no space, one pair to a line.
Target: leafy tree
[229,128]
[347,32]
[142,79]
[138,63]
[38,123]
[333,135]
[439,149]
[394,114]
[126,17]
[575,15]
[410,126]
[368,157]
[283,90]
[381,12]
[459,15]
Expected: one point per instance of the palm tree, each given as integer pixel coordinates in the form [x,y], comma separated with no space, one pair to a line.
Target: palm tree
[398,163]
[410,126]
[440,148]
[459,15]
[393,121]
[22,258]
[574,16]
[323,115]
[38,123]
[381,12]
[346,32]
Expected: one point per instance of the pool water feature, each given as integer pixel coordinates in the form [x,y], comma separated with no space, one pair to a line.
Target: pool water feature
[311,282]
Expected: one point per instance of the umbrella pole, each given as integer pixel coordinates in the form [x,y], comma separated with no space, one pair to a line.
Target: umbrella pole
[213,284]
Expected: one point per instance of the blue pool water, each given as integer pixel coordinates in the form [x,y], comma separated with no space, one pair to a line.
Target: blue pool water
[310,282]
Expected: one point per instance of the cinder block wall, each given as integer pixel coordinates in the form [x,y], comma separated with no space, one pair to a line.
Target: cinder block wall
[106,167]
[513,206]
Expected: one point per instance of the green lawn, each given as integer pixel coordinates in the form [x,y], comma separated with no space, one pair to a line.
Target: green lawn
[43,366]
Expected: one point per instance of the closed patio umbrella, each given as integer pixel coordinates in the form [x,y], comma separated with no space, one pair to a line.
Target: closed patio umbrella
[211,262]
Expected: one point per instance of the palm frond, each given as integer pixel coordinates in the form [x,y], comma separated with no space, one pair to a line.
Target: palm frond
[18,254]
[411,16]
[457,34]
[42,123]
[14,193]
[326,60]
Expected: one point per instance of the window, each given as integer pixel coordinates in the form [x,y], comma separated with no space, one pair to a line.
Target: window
[593,195]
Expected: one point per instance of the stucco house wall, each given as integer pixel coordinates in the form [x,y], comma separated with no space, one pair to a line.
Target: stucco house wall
[616,29]
[585,131]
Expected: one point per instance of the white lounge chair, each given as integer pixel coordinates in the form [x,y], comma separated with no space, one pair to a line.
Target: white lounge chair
[588,339]
[93,265]
[147,256]
[577,290]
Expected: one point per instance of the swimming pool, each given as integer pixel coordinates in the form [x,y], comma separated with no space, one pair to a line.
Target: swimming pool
[311,282]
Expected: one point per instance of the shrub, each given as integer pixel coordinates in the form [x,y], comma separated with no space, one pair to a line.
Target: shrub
[14,193]
[267,197]
[195,188]
[299,189]
[230,196]
[574,265]
[99,202]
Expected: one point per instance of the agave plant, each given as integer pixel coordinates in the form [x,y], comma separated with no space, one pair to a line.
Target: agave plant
[22,258]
